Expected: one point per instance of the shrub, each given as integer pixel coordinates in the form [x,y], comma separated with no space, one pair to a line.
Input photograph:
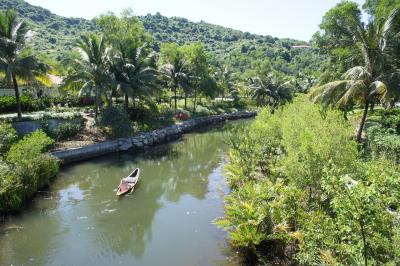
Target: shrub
[11,196]
[28,170]
[29,148]
[65,131]
[382,142]
[116,123]
[8,135]
[298,184]
[204,111]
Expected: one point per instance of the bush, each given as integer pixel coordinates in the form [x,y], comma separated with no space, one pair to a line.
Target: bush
[29,148]
[204,111]
[28,170]
[298,184]
[65,131]
[382,142]
[116,123]
[8,136]
[8,104]
[11,196]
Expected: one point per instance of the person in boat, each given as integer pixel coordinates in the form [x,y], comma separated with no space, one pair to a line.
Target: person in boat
[129,179]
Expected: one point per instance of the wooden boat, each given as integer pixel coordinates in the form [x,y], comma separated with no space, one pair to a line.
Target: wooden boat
[128,184]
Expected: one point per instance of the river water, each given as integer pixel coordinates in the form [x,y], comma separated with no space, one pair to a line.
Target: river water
[167,220]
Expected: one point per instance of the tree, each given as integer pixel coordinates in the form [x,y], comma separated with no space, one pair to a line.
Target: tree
[225,78]
[16,59]
[364,82]
[175,68]
[135,71]
[91,72]
[270,91]
[202,82]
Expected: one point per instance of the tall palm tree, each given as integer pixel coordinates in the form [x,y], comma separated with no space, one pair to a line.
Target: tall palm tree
[177,74]
[16,59]
[365,83]
[91,72]
[269,91]
[135,71]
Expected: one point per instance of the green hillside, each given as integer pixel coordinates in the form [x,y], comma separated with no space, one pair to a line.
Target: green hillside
[243,51]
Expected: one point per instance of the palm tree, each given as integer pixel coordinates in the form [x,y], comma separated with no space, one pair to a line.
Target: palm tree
[135,71]
[91,72]
[268,91]
[16,59]
[363,84]
[225,79]
[177,74]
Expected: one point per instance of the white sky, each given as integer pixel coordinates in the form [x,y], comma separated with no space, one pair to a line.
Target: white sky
[297,19]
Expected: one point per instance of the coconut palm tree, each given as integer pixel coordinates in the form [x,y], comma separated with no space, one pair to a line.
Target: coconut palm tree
[177,74]
[269,91]
[135,72]
[16,58]
[365,83]
[91,72]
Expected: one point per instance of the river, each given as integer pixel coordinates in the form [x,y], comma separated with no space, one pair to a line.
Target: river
[167,220]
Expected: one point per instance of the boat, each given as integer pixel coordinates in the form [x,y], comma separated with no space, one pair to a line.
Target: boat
[128,184]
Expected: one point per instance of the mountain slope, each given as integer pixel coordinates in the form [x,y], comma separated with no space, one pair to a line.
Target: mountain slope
[55,36]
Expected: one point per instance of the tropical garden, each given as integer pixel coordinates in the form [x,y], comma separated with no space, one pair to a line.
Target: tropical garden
[318,184]
[314,179]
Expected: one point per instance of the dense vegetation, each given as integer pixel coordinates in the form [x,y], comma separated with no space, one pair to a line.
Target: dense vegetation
[24,167]
[305,190]
[302,192]
[243,51]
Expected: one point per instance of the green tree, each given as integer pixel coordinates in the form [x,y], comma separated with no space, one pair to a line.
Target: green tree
[226,80]
[202,82]
[135,72]
[364,82]
[270,91]
[16,58]
[91,72]
[174,68]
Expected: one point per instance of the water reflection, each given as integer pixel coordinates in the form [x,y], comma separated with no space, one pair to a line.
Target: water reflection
[80,220]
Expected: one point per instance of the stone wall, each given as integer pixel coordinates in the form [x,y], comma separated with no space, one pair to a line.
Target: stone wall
[144,140]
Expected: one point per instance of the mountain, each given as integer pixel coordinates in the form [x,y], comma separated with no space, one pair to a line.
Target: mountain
[55,37]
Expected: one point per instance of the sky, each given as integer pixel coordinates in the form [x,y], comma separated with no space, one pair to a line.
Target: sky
[298,19]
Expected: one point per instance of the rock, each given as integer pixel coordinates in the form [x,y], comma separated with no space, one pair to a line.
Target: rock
[124,144]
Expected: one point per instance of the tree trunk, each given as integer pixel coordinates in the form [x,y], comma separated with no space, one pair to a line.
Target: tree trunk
[17,98]
[372,106]
[96,105]
[362,122]
[126,103]
[194,102]
[185,101]
[175,99]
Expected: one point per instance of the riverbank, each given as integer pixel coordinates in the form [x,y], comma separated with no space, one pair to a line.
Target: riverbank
[145,139]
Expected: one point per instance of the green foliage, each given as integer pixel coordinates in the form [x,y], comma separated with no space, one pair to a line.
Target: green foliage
[29,148]
[383,135]
[11,196]
[65,131]
[116,123]
[297,183]
[241,50]
[25,170]
[8,136]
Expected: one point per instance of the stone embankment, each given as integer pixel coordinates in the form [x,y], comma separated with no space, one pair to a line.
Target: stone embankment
[145,140]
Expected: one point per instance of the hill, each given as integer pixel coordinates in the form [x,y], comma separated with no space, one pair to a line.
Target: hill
[55,36]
